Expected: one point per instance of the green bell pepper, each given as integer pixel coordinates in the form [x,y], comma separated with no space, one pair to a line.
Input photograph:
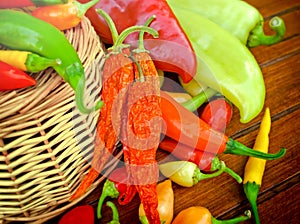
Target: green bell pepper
[224,63]
[238,17]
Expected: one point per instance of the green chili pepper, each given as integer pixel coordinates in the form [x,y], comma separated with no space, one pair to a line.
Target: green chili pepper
[115,212]
[224,63]
[21,31]
[238,17]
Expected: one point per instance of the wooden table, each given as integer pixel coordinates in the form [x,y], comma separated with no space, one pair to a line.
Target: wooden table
[279,198]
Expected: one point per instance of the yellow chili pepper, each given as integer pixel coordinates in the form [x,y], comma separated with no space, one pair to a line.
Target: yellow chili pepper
[27,61]
[165,196]
[255,167]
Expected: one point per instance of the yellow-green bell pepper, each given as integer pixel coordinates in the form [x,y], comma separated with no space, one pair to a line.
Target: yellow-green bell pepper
[224,63]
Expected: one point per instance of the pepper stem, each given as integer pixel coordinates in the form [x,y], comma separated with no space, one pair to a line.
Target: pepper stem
[79,97]
[251,190]
[36,63]
[194,103]
[236,148]
[198,175]
[114,209]
[258,37]
[82,8]
[141,46]
[108,190]
[216,164]
[48,2]
[238,219]
[110,23]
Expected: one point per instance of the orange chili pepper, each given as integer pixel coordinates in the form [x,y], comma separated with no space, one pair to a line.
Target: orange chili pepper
[201,215]
[63,16]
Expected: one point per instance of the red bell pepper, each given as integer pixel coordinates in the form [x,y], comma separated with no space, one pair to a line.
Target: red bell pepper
[170,52]
[12,78]
[117,186]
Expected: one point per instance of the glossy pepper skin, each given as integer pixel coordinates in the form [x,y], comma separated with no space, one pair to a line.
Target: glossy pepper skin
[237,76]
[63,16]
[25,3]
[185,127]
[117,185]
[21,31]
[201,215]
[165,195]
[204,160]
[27,61]
[12,78]
[239,18]
[78,215]
[164,50]
[254,169]
[217,113]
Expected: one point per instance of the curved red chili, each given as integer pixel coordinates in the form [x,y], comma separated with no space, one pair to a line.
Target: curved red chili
[12,78]
[164,51]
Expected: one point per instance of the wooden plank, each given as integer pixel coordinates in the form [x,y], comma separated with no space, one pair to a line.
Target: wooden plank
[271,7]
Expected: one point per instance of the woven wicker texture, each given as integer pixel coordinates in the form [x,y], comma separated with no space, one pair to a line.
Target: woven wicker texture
[45,142]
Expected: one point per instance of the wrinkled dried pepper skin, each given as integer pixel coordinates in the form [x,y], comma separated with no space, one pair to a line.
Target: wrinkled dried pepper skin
[118,73]
[141,130]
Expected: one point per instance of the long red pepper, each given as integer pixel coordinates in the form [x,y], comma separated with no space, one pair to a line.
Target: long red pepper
[204,160]
[171,52]
[12,78]
[185,127]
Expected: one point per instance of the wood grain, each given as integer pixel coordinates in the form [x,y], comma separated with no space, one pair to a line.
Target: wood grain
[279,197]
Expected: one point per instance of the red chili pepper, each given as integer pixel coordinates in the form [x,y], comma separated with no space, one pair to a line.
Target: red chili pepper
[186,127]
[172,39]
[204,160]
[78,215]
[12,78]
[118,73]
[25,3]
[141,128]
[117,186]
[217,113]
[63,16]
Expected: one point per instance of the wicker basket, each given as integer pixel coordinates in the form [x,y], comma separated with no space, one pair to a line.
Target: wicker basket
[45,142]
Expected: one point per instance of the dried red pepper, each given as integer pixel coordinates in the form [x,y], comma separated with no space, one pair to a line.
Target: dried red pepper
[118,73]
[12,78]
[172,39]
[141,128]
[186,127]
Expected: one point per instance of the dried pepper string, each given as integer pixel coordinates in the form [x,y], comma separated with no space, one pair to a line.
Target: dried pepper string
[141,128]
[118,73]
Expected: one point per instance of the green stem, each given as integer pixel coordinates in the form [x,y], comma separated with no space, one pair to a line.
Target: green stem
[198,175]
[216,164]
[238,219]
[258,37]
[251,190]
[194,103]
[114,209]
[110,23]
[36,63]
[108,190]
[236,148]
[82,8]
[48,2]
[141,46]
[79,97]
